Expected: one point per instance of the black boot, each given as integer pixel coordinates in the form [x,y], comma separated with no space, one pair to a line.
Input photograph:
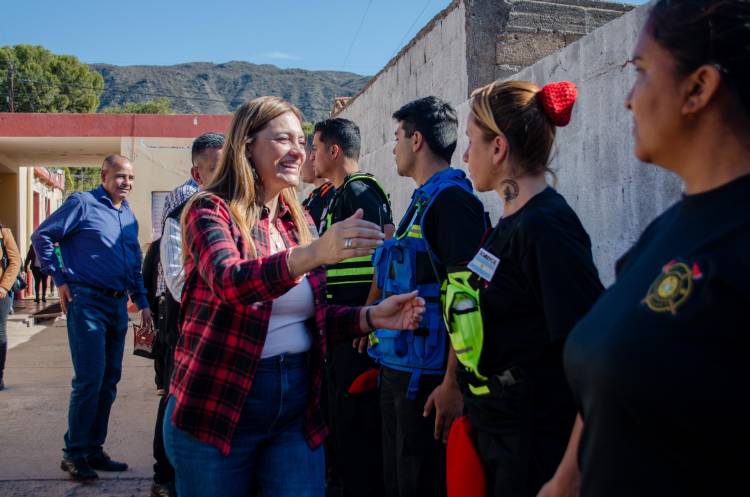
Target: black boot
[3,353]
[103,462]
[78,469]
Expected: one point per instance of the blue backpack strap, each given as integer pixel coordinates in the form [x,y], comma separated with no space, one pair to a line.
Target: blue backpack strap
[431,190]
[413,388]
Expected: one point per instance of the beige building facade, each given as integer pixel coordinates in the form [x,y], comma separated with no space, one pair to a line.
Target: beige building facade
[158,146]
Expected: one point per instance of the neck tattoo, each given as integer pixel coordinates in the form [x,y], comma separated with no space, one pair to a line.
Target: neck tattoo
[510,190]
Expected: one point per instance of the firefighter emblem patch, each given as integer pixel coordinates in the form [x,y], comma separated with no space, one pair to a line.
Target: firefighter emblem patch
[672,287]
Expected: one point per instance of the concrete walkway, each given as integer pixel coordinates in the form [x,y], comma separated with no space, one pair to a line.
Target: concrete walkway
[33,411]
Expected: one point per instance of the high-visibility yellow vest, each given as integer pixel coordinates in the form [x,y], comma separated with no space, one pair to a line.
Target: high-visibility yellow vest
[355,271]
[463,318]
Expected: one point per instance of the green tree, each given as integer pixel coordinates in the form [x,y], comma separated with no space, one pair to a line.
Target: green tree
[155,106]
[81,179]
[45,82]
[308,128]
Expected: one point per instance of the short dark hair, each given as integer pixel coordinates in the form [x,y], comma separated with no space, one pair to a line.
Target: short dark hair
[206,141]
[435,120]
[698,32]
[341,132]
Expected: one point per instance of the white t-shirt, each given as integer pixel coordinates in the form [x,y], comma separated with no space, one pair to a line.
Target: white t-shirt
[287,332]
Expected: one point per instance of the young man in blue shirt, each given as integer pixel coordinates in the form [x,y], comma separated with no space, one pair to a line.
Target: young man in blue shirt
[101,264]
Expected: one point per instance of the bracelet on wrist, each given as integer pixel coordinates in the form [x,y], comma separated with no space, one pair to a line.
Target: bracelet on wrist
[368,318]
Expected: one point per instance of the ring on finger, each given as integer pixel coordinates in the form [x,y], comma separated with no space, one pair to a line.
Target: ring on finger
[348,243]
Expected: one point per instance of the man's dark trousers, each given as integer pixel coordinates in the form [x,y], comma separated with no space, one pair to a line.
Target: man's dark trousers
[413,461]
[163,470]
[97,326]
[168,334]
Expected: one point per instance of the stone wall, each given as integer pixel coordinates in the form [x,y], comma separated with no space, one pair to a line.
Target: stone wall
[615,195]
[505,36]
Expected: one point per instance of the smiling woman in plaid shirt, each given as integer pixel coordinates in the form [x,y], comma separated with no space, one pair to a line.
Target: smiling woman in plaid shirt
[244,410]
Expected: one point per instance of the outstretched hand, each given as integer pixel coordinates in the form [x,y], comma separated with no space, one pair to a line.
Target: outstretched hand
[352,237]
[399,312]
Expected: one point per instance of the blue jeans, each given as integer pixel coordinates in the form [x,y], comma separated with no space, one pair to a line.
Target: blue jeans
[97,325]
[269,451]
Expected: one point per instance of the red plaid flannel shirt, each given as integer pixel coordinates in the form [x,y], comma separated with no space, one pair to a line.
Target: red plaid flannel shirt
[226,307]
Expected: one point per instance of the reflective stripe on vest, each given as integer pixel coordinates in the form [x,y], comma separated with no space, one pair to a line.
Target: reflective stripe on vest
[352,177]
[355,270]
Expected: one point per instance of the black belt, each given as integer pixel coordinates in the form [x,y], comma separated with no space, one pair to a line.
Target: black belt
[107,292]
[112,293]
[497,383]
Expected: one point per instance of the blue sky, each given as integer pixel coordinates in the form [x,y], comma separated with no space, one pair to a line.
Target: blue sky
[352,35]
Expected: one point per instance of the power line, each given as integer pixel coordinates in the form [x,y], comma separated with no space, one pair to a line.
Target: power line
[426,4]
[356,34]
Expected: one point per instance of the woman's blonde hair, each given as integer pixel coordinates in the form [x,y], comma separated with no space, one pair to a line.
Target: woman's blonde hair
[237,182]
[511,109]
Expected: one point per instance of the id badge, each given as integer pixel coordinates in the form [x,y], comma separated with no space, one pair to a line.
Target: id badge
[484,265]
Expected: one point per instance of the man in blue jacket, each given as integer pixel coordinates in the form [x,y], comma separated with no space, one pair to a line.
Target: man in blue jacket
[101,263]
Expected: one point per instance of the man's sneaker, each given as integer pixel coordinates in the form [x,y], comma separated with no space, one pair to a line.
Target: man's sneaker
[78,469]
[103,462]
[163,490]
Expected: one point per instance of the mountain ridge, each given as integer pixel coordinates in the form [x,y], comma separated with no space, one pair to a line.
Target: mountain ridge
[210,88]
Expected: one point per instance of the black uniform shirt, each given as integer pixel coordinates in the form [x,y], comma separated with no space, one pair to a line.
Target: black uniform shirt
[545,282]
[357,194]
[453,229]
[660,366]
[454,226]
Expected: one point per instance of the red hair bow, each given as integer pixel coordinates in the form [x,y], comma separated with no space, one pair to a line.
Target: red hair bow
[557,100]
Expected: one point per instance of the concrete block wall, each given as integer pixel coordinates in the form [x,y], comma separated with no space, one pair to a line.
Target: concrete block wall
[536,28]
[614,194]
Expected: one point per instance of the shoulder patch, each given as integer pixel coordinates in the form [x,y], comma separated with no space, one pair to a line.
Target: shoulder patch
[672,287]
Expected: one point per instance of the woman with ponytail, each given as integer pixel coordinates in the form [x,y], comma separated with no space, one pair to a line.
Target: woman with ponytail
[659,367]
[244,407]
[510,311]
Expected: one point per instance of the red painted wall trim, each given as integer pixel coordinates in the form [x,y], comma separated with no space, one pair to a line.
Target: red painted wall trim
[21,124]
